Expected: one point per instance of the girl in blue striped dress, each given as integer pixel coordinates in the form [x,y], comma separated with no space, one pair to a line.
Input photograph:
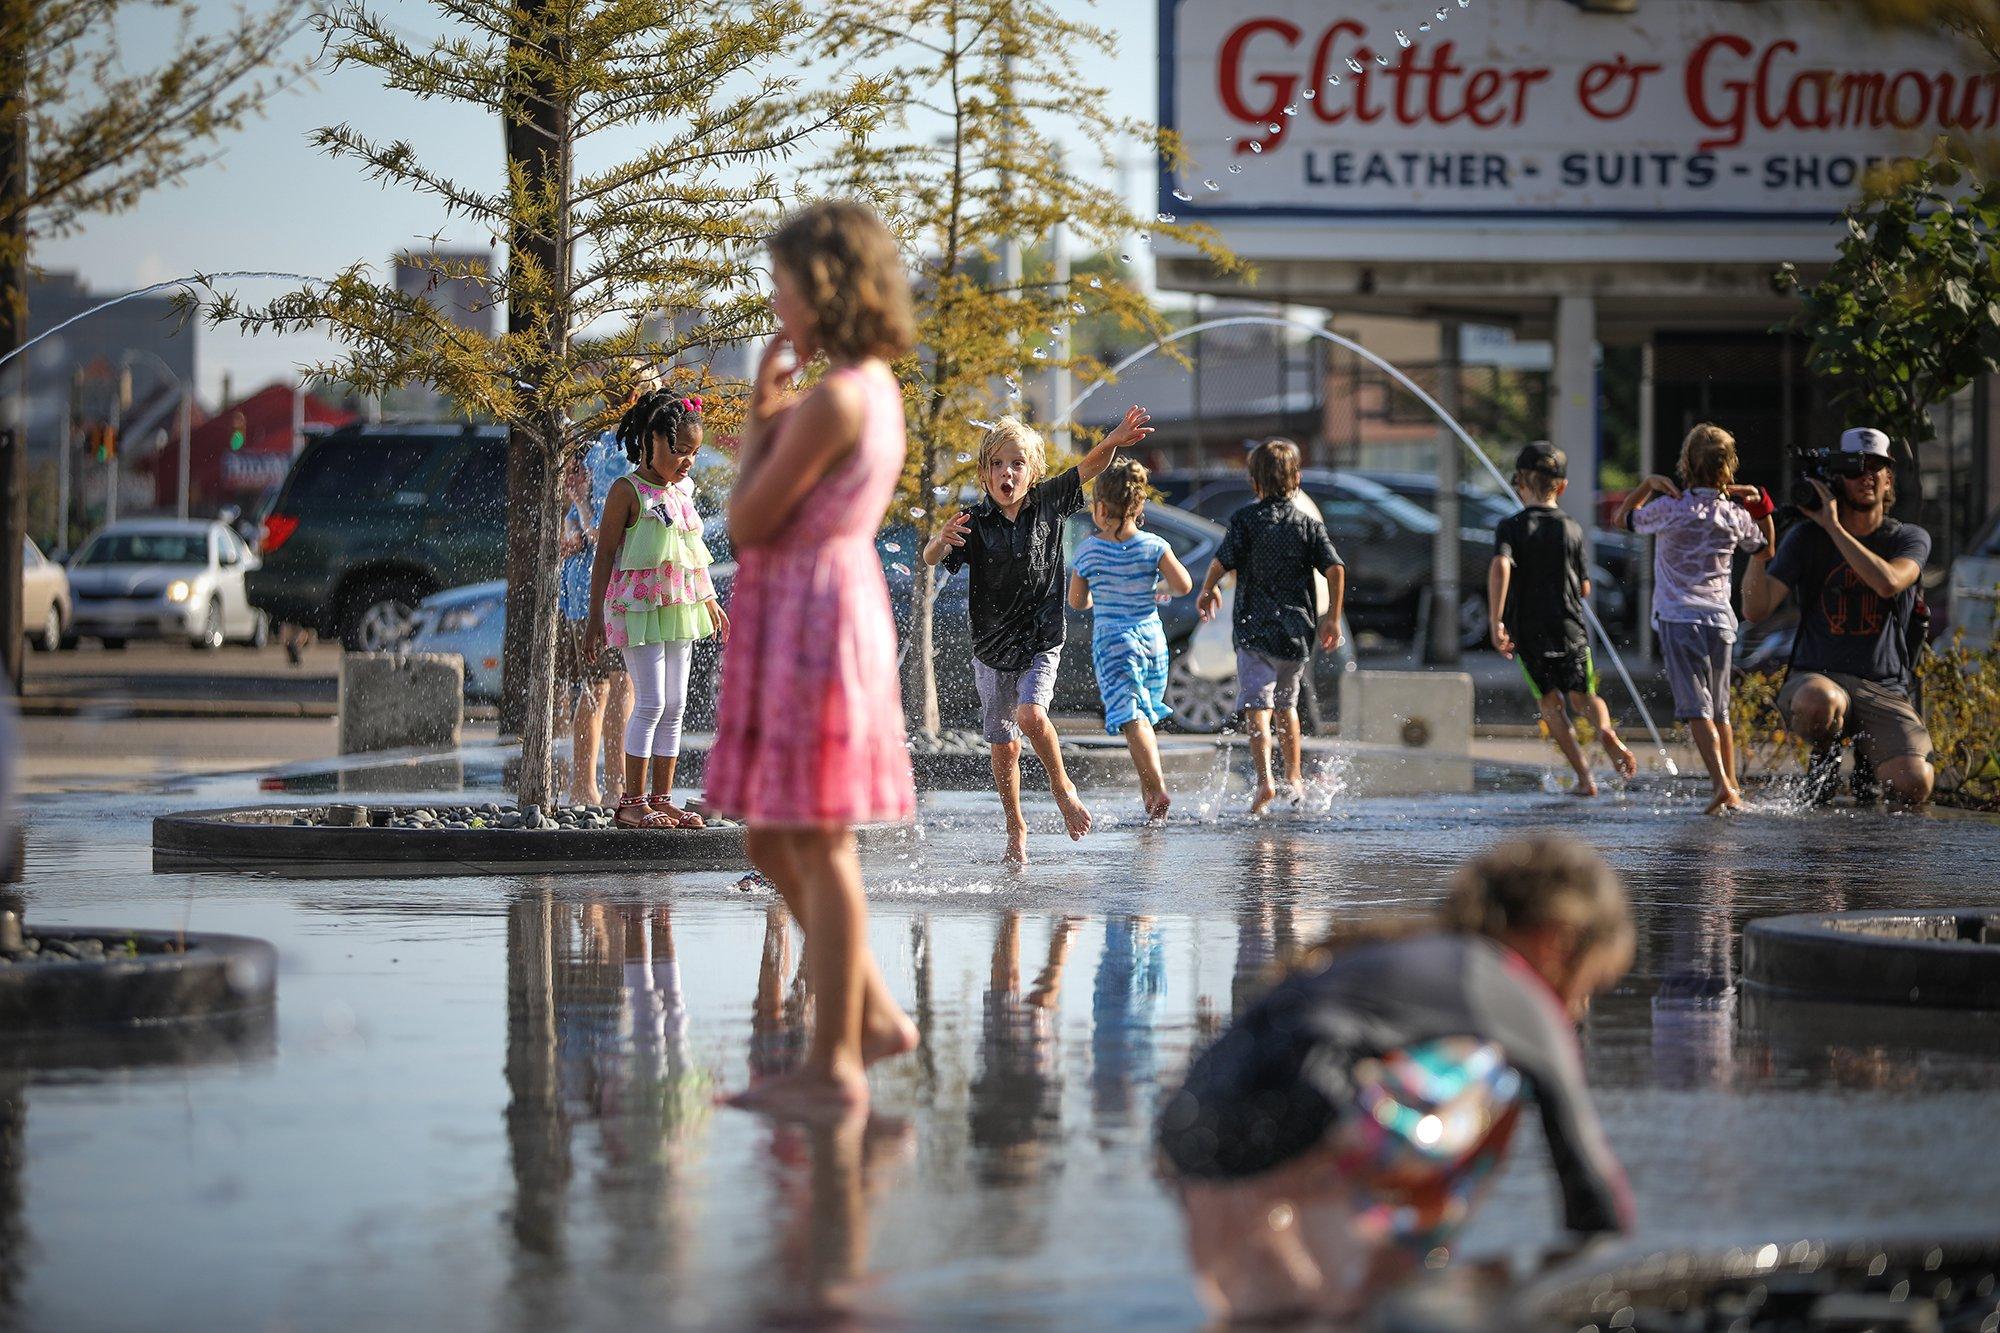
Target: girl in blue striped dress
[1118,571]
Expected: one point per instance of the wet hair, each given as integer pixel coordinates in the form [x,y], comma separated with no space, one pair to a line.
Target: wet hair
[1708,457]
[1121,488]
[661,412]
[1012,430]
[851,273]
[1274,469]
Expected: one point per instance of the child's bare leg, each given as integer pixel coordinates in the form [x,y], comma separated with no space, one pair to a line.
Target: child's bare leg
[1145,750]
[832,1080]
[617,712]
[586,738]
[1007,781]
[1287,722]
[1709,741]
[1557,719]
[1622,759]
[1725,736]
[1005,978]
[1034,723]
[1257,722]
[661,793]
[885,1029]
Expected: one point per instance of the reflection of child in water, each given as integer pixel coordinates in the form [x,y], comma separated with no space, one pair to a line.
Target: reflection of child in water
[1124,1005]
[1342,1130]
[1017,1097]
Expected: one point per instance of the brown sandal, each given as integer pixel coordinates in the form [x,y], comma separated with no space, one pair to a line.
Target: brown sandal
[682,818]
[653,819]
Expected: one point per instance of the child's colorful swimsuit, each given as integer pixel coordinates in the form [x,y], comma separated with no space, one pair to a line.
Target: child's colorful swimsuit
[659,590]
[1128,645]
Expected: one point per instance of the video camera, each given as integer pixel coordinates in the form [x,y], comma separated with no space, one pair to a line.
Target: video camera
[1825,466]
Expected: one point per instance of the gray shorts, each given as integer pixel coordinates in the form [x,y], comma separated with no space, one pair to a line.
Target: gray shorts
[1264,681]
[1001,692]
[1697,659]
[1880,718]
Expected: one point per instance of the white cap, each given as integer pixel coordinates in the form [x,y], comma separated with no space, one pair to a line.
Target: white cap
[1864,440]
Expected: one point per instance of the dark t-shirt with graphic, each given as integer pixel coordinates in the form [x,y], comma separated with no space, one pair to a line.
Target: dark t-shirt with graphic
[1016,600]
[1845,625]
[1275,549]
[1545,594]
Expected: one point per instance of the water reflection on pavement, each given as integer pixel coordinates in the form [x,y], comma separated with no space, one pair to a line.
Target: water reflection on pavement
[489,1101]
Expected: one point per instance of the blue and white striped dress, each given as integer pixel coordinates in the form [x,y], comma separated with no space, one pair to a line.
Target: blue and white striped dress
[1128,647]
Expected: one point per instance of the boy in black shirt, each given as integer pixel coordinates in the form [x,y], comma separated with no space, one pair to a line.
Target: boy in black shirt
[1534,596]
[1013,543]
[1276,548]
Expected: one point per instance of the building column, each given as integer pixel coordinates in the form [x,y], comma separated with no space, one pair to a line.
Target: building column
[1573,409]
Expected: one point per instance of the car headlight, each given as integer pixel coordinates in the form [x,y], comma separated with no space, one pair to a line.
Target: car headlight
[460,618]
[179,591]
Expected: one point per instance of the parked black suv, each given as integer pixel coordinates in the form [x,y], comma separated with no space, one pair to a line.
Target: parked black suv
[373,519]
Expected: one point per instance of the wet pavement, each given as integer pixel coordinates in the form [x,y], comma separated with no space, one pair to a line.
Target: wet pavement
[488,1101]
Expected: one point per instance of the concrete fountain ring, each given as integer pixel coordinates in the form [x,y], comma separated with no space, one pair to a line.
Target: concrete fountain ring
[1946,958]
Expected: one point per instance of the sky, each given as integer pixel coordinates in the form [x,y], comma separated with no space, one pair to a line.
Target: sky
[275,203]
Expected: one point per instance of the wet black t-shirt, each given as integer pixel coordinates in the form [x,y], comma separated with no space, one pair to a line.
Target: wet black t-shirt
[1545,594]
[1275,549]
[1845,625]
[1017,564]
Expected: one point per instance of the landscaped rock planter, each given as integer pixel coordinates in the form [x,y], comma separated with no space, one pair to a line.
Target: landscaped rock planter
[439,839]
[1944,959]
[62,979]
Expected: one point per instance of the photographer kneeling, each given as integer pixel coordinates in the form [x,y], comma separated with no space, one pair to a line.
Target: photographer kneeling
[1855,570]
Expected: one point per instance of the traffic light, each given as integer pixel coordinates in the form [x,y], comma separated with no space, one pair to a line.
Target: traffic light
[237,432]
[103,442]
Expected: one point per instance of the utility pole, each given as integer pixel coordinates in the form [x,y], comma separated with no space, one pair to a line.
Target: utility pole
[121,391]
[16,24]
[187,445]
[65,444]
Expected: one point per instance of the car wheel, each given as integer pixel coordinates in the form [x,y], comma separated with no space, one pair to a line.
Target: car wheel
[1200,703]
[1471,620]
[260,631]
[113,645]
[52,630]
[211,635]
[378,618]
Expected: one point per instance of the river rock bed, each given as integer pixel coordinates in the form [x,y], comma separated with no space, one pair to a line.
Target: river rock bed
[61,950]
[489,815]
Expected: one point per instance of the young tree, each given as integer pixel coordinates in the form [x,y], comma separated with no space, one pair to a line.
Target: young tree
[1909,313]
[83,133]
[968,162]
[601,254]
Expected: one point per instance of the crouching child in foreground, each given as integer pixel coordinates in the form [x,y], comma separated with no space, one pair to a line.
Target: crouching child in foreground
[1344,1128]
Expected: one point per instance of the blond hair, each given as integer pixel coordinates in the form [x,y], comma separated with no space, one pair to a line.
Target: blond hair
[850,272]
[1121,489]
[1274,469]
[1012,430]
[1708,457]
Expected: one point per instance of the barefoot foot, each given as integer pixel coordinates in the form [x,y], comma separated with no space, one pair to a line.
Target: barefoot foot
[805,1095]
[1076,819]
[1157,806]
[1585,786]
[1727,802]
[1622,759]
[887,1038]
[1017,847]
[1263,796]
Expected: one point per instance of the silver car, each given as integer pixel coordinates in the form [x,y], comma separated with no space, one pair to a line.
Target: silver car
[164,579]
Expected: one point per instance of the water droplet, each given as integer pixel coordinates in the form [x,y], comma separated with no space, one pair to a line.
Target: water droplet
[1184,196]
[1145,238]
[1291,109]
[967,458]
[1164,217]
[1210,185]
[1402,39]
[976,424]
[1011,382]
[937,493]
[1056,330]
[1465,4]
[1076,307]
[1041,354]
[1276,128]
[1442,14]
[891,547]
[916,513]
[1235,168]
[1096,283]
[1333,80]
[1309,94]
[1423,27]
[900,567]
[1256,147]
[1354,65]
[1383,61]
[1125,257]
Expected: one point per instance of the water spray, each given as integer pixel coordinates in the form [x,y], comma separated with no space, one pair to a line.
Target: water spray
[192,280]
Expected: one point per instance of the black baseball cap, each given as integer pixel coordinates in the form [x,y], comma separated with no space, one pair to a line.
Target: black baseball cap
[1543,458]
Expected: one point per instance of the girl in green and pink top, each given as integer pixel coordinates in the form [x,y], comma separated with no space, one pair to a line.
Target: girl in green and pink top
[650,597]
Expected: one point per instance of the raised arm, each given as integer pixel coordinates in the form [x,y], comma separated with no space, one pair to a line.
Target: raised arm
[1127,432]
[1638,495]
[1888,578]
[1762,594]
[828,426]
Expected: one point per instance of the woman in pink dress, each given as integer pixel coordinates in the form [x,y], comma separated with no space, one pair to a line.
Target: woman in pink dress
[809,733]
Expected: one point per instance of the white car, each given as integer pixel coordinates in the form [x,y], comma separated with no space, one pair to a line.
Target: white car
[164,579]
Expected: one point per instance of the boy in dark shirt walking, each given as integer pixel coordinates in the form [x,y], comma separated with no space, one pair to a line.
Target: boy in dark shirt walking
[1534,595]
[1013,543]
[1275,548]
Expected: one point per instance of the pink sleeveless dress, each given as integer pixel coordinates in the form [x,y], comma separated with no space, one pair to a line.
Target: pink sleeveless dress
[809,729]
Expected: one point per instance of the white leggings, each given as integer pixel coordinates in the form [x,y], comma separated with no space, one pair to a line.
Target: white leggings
[659,673]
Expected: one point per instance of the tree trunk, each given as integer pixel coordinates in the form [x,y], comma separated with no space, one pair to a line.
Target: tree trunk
[924,612]
[537,128]
[15,24]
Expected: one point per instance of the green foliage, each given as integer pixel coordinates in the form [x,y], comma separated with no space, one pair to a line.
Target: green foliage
[1909,313]
[1961,688]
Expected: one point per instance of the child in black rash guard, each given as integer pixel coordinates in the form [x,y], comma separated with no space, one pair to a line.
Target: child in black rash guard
[1343,1128]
